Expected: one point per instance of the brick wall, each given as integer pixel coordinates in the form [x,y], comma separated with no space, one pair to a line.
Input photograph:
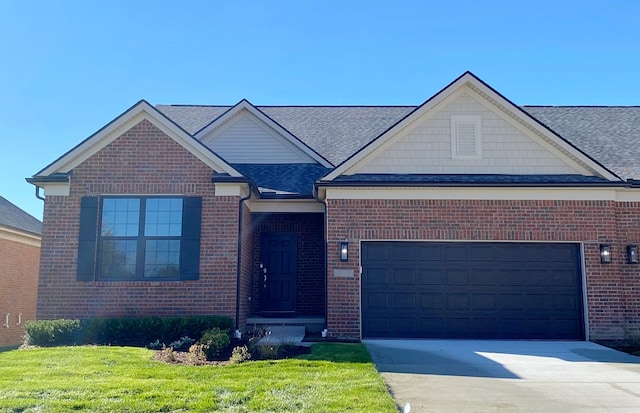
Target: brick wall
[310,280]
[141,161]
[612,289]
[18,289]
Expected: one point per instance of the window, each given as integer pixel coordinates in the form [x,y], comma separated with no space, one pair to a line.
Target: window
[139,238]
[466,138]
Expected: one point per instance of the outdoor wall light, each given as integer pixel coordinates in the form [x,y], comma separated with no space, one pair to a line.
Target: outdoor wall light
[605,253]
[632,254]
[344,251]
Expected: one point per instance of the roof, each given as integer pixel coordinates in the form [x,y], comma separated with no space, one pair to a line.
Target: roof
[13,217]
[293,178]
[608,134]
[335,132]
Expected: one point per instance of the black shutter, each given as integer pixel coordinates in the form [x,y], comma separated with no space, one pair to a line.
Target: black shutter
[190,254]
[87,239]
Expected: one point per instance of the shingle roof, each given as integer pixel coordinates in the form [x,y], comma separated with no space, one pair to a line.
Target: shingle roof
[296,178]
[13,217]
[609,134]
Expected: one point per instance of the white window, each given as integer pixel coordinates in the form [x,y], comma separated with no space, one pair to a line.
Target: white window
[466,137]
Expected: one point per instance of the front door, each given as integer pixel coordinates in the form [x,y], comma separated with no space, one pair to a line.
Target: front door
[278,272]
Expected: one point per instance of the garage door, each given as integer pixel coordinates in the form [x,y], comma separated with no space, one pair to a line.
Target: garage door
[471,290]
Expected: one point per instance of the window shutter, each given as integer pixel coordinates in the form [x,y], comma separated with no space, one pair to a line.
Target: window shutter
[87,239]
[190,254]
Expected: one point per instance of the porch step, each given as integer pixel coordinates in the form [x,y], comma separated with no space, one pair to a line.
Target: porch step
[312,324]
[282,334]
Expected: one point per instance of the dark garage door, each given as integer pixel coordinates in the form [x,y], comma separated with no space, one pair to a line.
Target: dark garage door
[471,290]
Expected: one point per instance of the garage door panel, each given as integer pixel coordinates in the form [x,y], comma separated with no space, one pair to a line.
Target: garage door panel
[403,276]
[484,301]
[376,252]
[403,301]
[427,252]
[378,276]
[458,301]
[451,290]
[402,252]
[455,252]
[431,301]
[457,276]
[430,276]
[378,301]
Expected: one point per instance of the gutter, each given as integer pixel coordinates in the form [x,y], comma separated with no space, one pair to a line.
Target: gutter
[414,184]
[53,178]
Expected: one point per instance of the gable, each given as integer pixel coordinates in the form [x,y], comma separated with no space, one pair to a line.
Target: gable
[415,147]
[131,117]
[246,139]
[465,134]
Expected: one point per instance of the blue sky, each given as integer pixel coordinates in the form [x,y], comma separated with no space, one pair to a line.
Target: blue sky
[68,67]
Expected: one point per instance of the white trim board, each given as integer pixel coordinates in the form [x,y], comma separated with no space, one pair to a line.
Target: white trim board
[487,193]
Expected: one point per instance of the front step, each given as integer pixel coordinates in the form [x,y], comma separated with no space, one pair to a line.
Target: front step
[283,335]
[311,324]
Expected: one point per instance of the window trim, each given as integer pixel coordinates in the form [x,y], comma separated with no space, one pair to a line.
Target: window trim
[474,120]
[141,239]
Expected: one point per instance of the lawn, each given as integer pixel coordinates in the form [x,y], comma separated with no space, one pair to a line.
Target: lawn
[333,378]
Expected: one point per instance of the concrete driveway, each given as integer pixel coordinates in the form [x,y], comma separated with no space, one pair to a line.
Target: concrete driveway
[507,376]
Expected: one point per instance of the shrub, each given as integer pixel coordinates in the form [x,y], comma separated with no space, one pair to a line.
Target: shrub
[240,354]
[215,340]
[122,331]
[53,332]
[182,344]
[197,354]
[156,345]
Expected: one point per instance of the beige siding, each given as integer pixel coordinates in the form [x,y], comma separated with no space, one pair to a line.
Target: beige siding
[246,140]
[426,146]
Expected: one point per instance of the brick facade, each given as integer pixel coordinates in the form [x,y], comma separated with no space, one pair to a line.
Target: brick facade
[310,281]
[143,160]
[611,289]
[19,277]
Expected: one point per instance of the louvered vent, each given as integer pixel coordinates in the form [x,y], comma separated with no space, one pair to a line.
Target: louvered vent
[465,137]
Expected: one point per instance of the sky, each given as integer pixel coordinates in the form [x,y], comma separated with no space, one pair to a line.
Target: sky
[68,67]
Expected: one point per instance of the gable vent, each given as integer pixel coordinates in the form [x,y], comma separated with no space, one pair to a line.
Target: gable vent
[466,137]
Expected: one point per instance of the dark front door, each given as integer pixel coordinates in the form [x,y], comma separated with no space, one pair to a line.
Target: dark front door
[278,277]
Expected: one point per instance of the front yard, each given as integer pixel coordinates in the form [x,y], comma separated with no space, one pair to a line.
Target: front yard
[333,378]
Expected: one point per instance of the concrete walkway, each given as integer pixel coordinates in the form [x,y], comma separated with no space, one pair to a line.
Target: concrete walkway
[507,376]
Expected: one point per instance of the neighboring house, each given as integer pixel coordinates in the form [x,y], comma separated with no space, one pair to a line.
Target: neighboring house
[19,261]
[464,217]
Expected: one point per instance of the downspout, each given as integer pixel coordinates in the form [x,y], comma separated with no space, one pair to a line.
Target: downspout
[326,266]
[238,334]
[38,193]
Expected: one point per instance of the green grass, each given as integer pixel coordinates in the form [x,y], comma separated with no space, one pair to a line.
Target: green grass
[333,378]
